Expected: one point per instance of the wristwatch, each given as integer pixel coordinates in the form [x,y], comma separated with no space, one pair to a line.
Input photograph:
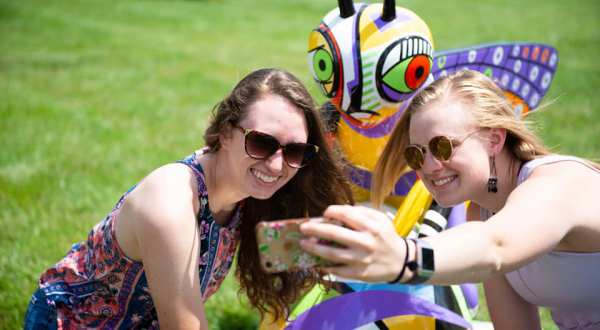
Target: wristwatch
[423,266]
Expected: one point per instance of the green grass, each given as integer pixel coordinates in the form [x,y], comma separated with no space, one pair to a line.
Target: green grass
[95,94]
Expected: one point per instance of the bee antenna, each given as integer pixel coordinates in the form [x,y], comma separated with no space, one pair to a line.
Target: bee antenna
[346,8]
[389,10]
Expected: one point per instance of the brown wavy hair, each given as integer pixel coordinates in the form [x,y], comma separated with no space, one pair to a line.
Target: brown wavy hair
[308,193]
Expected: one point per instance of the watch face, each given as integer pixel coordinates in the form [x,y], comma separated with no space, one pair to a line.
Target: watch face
[427,259]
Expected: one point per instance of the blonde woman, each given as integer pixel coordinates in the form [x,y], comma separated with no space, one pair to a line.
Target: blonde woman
[538,241]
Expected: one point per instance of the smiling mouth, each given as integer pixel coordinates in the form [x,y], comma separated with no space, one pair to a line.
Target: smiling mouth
[263,177]
[443,181]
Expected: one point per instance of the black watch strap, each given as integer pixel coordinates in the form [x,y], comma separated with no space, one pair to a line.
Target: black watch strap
[423,266]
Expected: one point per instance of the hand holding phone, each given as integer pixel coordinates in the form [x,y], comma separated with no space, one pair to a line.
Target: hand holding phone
[279,246]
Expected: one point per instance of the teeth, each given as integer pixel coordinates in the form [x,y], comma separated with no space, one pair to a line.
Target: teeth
[442,181]
[263,177]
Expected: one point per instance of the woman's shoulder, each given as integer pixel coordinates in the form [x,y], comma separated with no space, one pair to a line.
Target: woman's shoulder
[175,178]
[162,201]
[166,191]
[561,168]
[562,183]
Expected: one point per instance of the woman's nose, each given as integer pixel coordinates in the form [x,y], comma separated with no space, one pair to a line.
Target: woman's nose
[275,163]
[430,163]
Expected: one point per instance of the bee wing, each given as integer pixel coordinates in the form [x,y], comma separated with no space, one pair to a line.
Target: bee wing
[523,70]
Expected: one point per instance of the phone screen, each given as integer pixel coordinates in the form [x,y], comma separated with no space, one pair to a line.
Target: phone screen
[279,246]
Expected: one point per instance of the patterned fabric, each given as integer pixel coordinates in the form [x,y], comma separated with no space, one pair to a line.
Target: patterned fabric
[97,286]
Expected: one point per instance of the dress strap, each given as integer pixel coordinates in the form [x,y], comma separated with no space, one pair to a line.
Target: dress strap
[192,162]
[528,167]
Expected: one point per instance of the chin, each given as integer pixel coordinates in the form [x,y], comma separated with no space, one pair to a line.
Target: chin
[445,204]
[446,201]
[262,195]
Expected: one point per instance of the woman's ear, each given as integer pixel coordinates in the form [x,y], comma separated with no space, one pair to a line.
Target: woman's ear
[225,138]
[496,139]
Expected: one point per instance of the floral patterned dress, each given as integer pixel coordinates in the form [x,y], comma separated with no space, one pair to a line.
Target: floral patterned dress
[97,286]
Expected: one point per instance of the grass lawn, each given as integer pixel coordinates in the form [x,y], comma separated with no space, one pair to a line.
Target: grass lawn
[95,94]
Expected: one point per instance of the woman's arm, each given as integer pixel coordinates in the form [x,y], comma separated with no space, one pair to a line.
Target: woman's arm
[163,234]
[507,309]
[538,214]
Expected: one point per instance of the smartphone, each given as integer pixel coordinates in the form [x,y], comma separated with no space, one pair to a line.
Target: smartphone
[279,246]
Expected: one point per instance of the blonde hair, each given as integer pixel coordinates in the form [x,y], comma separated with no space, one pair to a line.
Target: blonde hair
[490,109]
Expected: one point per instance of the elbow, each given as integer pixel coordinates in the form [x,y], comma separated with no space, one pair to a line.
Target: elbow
[496,262]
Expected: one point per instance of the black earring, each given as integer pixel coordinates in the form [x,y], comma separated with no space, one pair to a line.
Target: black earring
[492,183]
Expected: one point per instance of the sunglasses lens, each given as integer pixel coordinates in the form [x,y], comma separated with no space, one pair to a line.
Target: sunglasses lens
[414,157]
[441,148]
[299,154]
[260,146]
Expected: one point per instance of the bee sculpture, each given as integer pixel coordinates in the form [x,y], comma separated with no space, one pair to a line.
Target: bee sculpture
[369,60]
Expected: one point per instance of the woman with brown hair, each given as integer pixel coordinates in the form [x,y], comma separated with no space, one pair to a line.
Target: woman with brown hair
[169,242]
[538,241]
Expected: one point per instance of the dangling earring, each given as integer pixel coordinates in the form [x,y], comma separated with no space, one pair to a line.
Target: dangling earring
[492,183]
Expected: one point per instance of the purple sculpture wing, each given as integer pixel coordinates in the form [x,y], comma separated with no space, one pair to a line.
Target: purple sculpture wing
[523,70]
[361,308]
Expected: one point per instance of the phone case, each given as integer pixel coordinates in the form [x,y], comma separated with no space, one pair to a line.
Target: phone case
[279,246]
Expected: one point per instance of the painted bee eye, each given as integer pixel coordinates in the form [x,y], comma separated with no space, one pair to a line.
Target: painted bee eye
[403,67]
[409,74]
[322,65]
[322,61]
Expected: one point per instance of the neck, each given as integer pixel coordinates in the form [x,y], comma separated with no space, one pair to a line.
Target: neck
[507,169]
[223,194]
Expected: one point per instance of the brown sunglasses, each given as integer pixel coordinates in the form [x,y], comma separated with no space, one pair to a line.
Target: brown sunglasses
[261,146]
[441,147]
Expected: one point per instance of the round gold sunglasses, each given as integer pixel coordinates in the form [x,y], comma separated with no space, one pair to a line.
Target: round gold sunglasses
[441,147]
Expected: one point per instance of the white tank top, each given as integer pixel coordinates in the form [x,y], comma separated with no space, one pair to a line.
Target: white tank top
[568,283]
